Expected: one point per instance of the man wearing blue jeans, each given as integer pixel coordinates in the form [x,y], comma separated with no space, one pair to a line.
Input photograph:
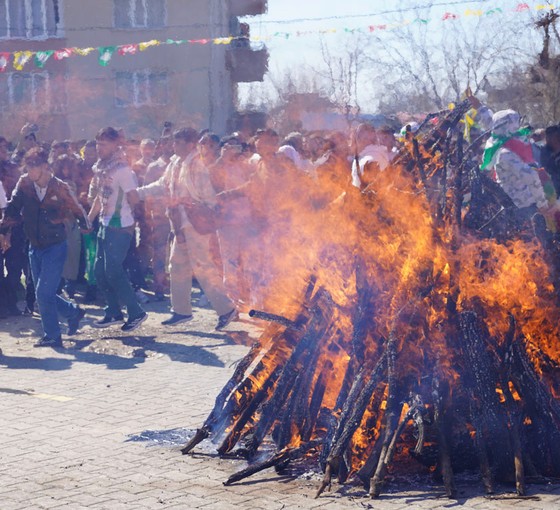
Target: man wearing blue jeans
[114,195]
[43,202]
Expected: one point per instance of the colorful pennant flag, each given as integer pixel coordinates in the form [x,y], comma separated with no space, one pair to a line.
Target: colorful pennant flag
[62,54]
[4,59]
[106,54]
[84,52]
[145,45]
[41,57]
[21,58]
[128,49]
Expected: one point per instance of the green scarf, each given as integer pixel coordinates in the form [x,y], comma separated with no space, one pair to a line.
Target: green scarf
[498,143]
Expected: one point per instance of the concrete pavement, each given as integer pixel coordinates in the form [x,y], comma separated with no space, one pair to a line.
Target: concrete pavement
[68,419]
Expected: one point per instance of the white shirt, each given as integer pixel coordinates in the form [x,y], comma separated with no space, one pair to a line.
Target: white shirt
[370,154]
[3,199]
[295,156]
[41,192]
[114,183]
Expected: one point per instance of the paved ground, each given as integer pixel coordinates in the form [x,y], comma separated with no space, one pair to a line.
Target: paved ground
[67,419]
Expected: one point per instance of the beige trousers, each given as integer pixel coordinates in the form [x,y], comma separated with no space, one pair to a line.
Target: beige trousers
[195,257]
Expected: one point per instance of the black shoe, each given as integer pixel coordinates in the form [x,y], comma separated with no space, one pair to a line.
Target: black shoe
[226,318]
[132,324]
[176,318]
[107,321]
[74,322]
[49,342]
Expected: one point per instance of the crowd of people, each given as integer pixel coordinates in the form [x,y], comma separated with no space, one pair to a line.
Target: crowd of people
[118,217]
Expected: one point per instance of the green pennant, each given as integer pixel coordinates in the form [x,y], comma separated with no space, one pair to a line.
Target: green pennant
[105,54]
[41,57]
[497,143]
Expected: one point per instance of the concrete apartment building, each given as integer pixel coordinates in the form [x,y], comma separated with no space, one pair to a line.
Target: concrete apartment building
[187,84]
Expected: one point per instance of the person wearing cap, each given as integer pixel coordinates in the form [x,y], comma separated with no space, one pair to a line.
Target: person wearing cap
[58,148]
[28,140]
[43,202]
[370,155]
[292,147]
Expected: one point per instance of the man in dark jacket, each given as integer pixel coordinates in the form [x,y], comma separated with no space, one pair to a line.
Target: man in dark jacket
[43,202]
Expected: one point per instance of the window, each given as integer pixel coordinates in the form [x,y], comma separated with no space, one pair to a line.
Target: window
[139,13]
[29,19]
[141,88]
[34,91]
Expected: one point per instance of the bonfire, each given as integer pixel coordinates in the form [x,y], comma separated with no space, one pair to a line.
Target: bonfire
[404,328]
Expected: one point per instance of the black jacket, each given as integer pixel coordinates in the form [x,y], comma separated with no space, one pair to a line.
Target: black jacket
[43,221]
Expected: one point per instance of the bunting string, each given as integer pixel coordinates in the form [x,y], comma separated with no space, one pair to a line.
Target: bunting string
[19,59]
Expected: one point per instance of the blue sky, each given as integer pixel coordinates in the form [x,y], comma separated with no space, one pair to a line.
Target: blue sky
[304,50]
[289,15]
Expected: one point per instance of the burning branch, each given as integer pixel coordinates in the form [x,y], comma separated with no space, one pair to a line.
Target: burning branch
[468,306]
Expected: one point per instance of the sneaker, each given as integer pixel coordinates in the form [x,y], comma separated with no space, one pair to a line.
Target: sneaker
[141,297]
[49,342]
[74,322]
[108,321]
[226,318]
[176,318]
[132,324]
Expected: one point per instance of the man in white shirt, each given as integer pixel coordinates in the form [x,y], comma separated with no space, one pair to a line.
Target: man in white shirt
[187,180]
[114,196]
[370,155]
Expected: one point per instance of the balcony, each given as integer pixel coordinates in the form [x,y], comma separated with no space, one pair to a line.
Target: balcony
[248,7]
[246,64]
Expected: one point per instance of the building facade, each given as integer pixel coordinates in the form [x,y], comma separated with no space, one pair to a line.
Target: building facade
[187,84]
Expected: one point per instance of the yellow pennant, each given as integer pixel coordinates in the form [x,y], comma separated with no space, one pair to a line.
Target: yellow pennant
[21,58]
[145,45]
[84,52]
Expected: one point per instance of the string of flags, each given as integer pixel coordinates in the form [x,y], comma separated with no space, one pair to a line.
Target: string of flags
[19,59]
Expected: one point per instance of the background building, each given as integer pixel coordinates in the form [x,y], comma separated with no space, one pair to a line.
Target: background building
[187,84]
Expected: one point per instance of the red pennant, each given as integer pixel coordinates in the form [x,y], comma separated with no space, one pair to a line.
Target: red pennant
[62,54]
[449,15]
[128,49]
[4,61]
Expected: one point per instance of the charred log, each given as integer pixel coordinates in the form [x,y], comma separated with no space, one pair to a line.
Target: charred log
[481,379]
[208,427]
[280,458]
